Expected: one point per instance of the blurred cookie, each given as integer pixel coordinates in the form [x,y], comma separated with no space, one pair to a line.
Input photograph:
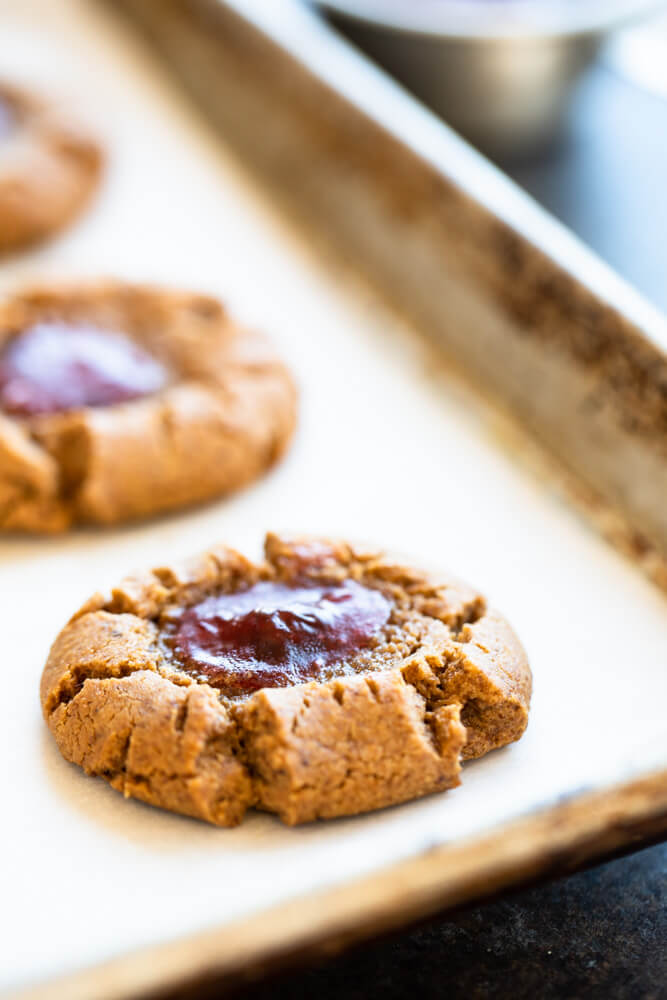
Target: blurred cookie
[49,167]
[121,401]
[325,681]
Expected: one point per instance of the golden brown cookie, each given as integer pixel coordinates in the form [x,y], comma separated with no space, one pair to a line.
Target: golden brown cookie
[49,167]
[325,681]
[120,401]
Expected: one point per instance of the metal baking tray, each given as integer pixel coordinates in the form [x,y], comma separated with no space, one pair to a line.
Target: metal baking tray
[477,389]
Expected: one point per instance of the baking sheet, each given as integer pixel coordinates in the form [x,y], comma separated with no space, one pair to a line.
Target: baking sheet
[507,293]
[389,449]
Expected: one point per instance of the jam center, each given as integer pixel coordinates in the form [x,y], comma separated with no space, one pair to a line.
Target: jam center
[52,367]
[274,635]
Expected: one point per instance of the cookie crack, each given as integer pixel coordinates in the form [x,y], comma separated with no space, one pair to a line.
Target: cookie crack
[181,717]
[469,616]
[73,682]
[373,688]
[68,446]
[428,676]
[124,754]
[149,779]
[240,752]
[26,496]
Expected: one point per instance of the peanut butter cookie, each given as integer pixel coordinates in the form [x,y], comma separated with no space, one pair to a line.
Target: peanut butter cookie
[325,681]
[120,401]
[48,168]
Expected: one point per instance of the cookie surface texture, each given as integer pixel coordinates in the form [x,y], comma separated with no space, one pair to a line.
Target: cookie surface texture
[154,687]
[49,167]
[118,402]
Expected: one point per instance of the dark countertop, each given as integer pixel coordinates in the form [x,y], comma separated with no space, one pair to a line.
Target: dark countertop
[601,933]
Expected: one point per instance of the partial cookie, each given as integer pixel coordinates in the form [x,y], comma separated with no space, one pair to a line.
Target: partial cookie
[120,401]
[325,681]
[49,167]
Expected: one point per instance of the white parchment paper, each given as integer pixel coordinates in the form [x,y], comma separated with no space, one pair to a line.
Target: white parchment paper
[388,450]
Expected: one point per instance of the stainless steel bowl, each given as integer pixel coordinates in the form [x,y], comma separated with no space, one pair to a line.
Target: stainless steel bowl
[501,72]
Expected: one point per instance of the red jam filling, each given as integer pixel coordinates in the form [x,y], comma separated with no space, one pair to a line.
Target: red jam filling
[52,367]
[274,635]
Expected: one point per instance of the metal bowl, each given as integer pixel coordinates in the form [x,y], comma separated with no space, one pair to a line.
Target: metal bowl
[501,72]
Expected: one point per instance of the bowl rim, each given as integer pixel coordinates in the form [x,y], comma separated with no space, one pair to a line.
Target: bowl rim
[494,18]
